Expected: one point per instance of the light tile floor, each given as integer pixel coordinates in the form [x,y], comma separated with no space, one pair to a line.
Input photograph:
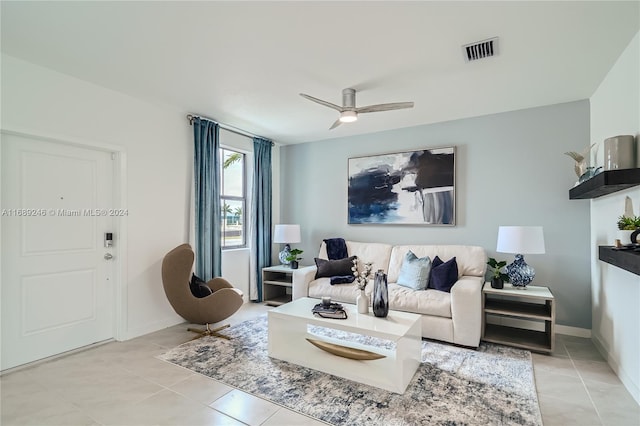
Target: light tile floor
[121,383]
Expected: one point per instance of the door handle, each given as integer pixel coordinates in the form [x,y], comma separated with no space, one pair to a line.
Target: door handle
[108,256]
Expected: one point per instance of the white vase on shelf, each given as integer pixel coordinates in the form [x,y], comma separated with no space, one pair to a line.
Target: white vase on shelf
[362,302]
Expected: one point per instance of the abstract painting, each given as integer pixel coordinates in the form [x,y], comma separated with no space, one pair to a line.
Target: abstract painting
[411,188]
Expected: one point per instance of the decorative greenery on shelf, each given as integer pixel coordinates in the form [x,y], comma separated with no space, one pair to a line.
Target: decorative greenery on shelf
[293,255]
[497,266]
[628,223]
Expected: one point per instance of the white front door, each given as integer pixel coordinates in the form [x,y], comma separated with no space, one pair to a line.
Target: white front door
[57,287]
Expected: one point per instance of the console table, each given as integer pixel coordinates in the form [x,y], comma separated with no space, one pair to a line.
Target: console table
[533,304]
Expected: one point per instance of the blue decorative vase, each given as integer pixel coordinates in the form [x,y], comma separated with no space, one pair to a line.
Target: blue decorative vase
[282,256]
[520,274]
[380,294]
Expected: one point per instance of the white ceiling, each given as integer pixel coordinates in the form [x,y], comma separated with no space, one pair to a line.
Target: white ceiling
[244,63]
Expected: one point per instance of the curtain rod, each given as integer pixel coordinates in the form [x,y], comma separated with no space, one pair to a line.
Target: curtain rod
[231,129]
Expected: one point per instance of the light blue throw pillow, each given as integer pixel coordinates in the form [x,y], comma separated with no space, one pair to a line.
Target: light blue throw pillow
[414,272]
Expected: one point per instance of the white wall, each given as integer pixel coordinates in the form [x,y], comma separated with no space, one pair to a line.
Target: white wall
[615,110]
[156,142]
[510,170]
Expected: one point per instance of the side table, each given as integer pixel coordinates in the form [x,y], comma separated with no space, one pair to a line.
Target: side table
[277,283]
[533,303]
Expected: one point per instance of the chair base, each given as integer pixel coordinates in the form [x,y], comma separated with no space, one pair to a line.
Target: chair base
[210,332]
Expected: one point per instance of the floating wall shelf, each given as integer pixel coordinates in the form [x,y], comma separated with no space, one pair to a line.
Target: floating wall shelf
[605,183]
[628,260]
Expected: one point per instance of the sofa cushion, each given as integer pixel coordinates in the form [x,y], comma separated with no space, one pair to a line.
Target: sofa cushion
[443,274]
[345,293]
[414,272]
[471,259]
[334,268]
[426,302]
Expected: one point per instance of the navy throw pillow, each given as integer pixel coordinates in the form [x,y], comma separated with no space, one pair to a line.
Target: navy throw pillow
[434,264]
[198,287]
[444,275]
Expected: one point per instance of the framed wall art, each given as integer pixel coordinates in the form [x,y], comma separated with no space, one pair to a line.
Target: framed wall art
[407,188]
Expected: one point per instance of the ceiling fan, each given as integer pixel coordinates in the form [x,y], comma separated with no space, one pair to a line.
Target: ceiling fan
[349,112]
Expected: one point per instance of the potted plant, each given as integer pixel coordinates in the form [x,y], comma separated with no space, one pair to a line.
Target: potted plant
[626,225]
[498,278]
[293,258]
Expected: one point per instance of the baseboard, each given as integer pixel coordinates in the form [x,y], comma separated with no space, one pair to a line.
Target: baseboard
[573,331]
[152,327]
[156,325]
[539,326]
[632,387]
[53,357]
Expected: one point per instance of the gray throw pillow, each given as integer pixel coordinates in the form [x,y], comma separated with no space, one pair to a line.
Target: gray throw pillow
[414,272]
[334,268]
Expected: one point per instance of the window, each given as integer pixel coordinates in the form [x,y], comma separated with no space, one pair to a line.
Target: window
[233,199]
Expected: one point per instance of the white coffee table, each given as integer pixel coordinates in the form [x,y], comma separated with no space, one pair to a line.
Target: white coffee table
[287,341]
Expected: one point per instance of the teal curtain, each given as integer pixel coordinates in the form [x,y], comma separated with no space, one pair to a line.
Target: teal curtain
[261,211]
[206,172]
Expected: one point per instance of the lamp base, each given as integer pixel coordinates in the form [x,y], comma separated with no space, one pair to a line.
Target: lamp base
[282,256]
[520,274]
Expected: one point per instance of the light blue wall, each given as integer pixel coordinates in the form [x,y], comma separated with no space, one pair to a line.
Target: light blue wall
[510,171]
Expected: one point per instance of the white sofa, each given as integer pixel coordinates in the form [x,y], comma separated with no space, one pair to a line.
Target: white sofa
[454,317]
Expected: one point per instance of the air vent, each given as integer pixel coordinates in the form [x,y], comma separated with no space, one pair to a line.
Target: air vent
[480,49]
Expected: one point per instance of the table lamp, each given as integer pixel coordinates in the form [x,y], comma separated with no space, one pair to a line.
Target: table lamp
[520,240]
[286,234]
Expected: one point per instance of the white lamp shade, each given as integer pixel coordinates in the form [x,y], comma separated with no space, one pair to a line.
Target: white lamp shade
[286,234]
[520,240]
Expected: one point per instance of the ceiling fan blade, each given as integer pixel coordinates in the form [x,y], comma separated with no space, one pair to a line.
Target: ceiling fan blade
[321,102]
[335,124]
[384,107]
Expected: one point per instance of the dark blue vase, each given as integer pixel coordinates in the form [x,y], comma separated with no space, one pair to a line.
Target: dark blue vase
[380,294]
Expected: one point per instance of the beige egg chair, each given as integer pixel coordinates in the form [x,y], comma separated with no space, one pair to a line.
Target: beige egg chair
[223,302]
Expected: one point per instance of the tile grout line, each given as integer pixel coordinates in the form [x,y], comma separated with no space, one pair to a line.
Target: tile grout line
[268,418]
[29,373]
[167,388]
[584,385]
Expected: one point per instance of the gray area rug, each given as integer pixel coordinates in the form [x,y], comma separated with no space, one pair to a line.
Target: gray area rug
[453,386]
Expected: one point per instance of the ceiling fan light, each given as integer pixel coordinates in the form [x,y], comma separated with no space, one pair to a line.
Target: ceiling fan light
[348,116]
